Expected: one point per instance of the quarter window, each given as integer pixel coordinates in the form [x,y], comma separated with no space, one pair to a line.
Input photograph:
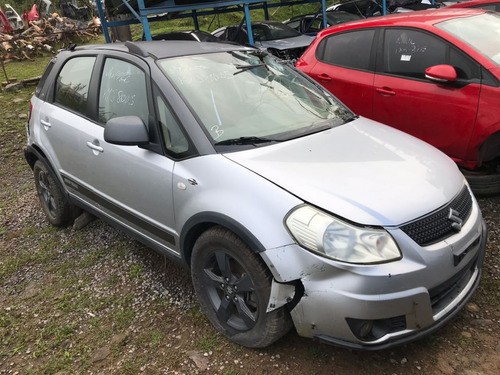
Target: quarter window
[123,91]
[352,49]
[72,84]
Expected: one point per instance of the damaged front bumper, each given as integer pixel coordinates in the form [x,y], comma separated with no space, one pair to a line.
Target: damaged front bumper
[379,306]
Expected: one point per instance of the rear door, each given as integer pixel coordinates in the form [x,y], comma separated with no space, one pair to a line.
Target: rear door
[346,68]
[443,115]
[133,185]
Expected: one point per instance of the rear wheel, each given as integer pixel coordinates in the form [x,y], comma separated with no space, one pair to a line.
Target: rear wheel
[55,205]
[233,287]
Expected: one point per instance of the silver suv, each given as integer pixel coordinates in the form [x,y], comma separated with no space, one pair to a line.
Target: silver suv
[289,209]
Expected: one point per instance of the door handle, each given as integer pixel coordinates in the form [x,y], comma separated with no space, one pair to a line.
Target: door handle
[385,91]
[46,125]
[324,77]
[95,147]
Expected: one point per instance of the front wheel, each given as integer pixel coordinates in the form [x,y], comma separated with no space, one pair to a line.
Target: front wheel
[233,288]
[484,181]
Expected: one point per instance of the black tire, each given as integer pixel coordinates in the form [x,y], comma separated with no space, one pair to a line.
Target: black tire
[484,182]
[55,205]
[233,287]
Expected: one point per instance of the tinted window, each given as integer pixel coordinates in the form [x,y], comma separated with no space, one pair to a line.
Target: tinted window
[39,87]
[409,52]
[123,91]
[350,49]
[72,84]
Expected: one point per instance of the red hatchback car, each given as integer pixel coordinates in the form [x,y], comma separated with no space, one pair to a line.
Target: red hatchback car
[434,74]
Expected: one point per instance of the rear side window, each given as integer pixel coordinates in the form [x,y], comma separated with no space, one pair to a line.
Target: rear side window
[351,49]
[123,91]
[72,83]
[41,83]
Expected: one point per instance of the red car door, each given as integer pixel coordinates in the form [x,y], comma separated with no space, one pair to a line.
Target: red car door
[345,67]
[442,114]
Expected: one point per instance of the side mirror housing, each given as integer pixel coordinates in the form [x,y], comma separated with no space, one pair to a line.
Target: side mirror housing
[441,73]
[126,131]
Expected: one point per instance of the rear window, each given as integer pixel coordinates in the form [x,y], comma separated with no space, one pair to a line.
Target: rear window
[72,83]
[38,91]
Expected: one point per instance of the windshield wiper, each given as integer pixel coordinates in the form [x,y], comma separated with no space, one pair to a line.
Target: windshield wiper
[246,141]
[244,68]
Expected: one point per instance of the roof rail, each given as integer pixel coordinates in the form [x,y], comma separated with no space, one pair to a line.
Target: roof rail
[136,49]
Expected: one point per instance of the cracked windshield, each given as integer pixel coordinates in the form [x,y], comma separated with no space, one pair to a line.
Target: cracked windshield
[250,96]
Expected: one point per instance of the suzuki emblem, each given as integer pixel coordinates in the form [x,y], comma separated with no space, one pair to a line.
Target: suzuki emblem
[456,222]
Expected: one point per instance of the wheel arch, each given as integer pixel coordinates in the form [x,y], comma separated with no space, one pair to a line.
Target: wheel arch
[490,149]
[203,221]
[32,154]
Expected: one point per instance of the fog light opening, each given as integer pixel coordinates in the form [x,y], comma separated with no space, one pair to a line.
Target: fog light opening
[365,329]
[371,330]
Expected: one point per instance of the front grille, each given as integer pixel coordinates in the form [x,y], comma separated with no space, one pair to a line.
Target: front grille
[437,226]
[445,293]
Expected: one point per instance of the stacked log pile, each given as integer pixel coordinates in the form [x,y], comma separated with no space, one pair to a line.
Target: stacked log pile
[44,34]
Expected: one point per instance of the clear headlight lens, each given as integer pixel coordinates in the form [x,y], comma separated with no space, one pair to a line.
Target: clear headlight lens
[324,234]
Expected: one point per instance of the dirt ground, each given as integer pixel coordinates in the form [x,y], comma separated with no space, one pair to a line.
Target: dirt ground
[93,301]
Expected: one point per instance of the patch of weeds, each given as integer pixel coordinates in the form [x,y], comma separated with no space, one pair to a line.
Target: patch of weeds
[230,372]
[314,352]
[207,342]
[91,258]
[135,271]
[123,317]
[157,337]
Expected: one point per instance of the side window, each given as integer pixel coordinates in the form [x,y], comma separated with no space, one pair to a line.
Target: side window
[72,83]
[409,52]
[351,49]
[123,91]
[175,141]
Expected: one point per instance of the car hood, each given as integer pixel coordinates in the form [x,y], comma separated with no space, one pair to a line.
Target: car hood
[288,43]
[363,171]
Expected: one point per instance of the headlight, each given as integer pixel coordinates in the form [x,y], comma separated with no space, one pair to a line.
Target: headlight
[324,234]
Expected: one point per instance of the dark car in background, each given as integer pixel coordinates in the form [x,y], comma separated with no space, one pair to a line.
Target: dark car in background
[275,37]
[194,35]
[312,23]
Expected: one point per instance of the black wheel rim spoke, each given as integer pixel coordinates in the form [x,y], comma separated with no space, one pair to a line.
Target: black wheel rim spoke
[224,265]
[244,284]
[224,310]
[211,279]
[45,192]
[244,312]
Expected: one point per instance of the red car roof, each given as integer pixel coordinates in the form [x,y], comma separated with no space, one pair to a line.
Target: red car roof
[417,19]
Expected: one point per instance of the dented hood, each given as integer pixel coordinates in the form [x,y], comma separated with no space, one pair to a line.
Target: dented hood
[362,171]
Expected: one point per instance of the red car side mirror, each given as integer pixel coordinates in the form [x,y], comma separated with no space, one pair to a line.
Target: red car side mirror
[441,73]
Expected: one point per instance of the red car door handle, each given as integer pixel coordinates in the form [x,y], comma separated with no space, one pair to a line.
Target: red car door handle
[325,77]
[385,91]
